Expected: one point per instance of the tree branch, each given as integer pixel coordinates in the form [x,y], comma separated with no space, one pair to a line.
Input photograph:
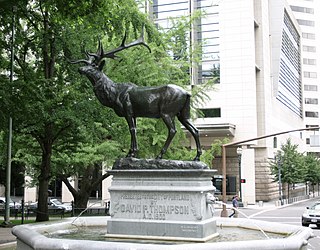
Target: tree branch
[72,190]
[100,179]
[61,131]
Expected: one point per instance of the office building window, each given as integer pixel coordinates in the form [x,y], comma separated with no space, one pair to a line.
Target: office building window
[211,113]
[289,85]
[312,114]
[208,36]
[206,33]
[311,36]
[302,9]
[308,74]
[305,22]
[309,61]
[309,48]
[311,100]
[310,87]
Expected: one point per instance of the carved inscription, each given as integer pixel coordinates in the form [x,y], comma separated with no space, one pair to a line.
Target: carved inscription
[154,206]
[189,228]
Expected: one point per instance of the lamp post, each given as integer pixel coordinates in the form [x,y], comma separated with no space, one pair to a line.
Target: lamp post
[8,170]
[239,153]
[279,178]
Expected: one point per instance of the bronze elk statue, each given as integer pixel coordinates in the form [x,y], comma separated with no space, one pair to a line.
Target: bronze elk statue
[131,101]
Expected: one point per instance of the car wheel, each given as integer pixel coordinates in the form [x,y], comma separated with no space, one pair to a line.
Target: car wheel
[306,224]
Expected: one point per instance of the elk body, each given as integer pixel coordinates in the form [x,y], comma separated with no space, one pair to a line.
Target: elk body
[131,101]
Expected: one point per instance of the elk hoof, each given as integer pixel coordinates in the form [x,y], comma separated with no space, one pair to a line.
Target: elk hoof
[130,154]
[197,158]
[159,157]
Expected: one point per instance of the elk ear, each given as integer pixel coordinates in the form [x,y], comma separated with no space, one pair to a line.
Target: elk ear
[101,65]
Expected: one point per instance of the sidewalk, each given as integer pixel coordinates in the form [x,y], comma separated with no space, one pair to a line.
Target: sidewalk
[7,240]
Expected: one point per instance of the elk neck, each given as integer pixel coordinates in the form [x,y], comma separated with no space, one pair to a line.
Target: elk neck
[103,87]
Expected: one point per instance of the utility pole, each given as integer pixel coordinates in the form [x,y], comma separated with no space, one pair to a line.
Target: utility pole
[8,170]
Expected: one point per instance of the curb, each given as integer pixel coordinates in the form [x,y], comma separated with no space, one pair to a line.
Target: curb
[8,245]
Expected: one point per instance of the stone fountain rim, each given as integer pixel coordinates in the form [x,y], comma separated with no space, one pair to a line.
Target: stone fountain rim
[31,235]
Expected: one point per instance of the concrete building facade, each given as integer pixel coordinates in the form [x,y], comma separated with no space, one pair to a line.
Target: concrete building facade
[256,45]
[306,14]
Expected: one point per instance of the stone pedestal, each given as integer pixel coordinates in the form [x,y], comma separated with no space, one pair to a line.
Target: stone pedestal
[161,203]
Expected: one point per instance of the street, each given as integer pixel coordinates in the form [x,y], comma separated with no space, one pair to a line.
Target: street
[289,215]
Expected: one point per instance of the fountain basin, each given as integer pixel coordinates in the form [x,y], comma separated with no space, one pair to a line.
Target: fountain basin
[32,236]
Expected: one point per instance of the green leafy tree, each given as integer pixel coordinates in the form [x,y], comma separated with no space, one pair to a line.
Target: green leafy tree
[53,108]
[45,96]
[291,165]
[215,150]
[312,165]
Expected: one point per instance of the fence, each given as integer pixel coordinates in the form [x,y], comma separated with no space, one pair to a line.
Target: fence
[26,212]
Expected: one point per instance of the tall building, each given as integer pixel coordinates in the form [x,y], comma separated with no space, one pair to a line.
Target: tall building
[256,46]
[306,14]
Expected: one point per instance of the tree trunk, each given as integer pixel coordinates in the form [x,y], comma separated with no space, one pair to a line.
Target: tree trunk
[313,189]
[42,211]
[42,214]
[81,200]
[44,178]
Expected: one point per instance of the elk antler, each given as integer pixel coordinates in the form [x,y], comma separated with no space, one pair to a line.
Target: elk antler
[88,61]
[111,53]
[99,55]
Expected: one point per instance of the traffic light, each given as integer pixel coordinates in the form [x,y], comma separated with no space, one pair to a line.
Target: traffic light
[243,180]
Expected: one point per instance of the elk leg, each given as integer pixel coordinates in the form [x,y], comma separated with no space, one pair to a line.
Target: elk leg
[195,133]
[132,128]
[169,121]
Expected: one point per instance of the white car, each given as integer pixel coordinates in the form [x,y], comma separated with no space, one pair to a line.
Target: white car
[311,215]
[12,204]
[55,203]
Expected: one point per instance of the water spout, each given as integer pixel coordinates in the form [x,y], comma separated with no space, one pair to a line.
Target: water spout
[72,223]
[258,227]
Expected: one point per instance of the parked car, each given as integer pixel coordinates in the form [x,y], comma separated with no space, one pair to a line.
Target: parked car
[55,203]
[12,204]
[311,215]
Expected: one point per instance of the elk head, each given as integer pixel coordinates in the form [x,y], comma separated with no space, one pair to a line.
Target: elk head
[95,61]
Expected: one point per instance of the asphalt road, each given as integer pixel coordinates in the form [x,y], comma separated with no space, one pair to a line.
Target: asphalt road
[288,215]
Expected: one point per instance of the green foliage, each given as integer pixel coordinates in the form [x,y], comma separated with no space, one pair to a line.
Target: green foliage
[59,126]
[312,166]
[3,158]
[291,164]
[215,150]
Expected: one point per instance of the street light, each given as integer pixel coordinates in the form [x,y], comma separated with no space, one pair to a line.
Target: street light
[239,153]
[280,182]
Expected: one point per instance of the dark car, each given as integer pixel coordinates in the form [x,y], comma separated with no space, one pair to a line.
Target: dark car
[311,215]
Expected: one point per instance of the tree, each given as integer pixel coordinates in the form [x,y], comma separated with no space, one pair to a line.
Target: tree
[291,165]
[45,96]
[54,109]
[312,165]
[215,150]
